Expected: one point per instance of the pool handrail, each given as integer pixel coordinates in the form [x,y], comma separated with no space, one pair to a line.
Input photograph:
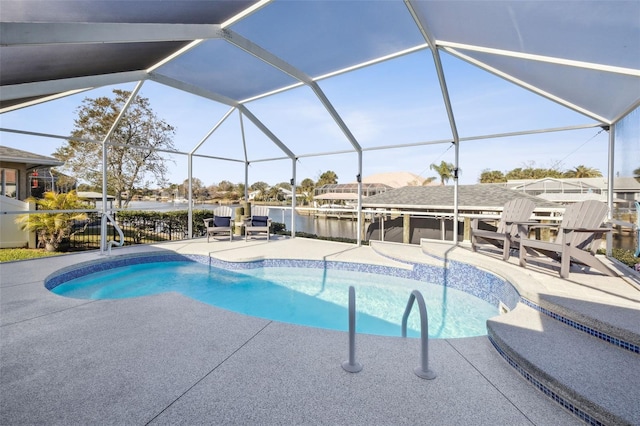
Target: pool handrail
[351,365]
[111,243]
[422,370]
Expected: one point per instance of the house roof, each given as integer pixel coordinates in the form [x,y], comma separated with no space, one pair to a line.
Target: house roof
[471,197]
[600,183]
[623,184]
[93,196]
[29,159]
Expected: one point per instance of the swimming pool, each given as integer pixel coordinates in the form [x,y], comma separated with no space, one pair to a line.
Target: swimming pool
[310,293]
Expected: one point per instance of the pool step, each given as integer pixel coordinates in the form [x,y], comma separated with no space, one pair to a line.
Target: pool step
[597,381]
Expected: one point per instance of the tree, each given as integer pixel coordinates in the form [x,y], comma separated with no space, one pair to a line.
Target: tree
[492,176]
[225,185]
[328,177]
[444,169]
[199,191]
[239,190]
[53,228]
[284,185]
[274,194]
[582,171]
[262,188]
[305,190]
[126,167]
[636,172]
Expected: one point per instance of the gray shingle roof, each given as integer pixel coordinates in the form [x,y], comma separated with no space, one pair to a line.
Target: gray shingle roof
[29,158]
[470,197]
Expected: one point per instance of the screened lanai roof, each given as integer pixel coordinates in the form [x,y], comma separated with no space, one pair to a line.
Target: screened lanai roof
[582,55]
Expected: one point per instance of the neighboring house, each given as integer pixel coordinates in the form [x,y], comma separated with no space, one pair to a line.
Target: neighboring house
[287,193]
[20,171]
[625,190]
[347,192]
[371,185]
[17,169]
[253,195]
[436,204]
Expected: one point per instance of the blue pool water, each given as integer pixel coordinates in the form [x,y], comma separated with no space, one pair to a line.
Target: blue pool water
[315,297]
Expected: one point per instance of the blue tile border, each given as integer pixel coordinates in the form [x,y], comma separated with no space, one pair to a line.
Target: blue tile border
[591,331]
[71,272]
[544,389]
[460,276]
[457,275]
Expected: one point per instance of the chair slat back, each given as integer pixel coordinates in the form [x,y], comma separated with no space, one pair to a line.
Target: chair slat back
[585,214]
[516,210]
[259,211]
[223,211]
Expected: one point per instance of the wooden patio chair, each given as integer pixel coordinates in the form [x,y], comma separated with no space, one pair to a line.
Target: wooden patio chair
[577,240]
[259,222]
[220,223]
[505,236]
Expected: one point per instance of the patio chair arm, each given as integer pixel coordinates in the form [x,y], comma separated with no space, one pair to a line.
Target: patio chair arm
[590,230]
[534,225]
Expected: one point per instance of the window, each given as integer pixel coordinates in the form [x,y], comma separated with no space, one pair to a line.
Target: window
[9,182]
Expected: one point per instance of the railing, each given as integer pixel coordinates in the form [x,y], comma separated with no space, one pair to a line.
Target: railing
[107,217]
[351,365]
[422,370]
[638,228]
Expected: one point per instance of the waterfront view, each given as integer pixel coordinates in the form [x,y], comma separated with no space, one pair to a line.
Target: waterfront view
[323,227]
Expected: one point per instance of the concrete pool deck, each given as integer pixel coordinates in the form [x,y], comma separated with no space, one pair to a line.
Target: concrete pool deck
[167,359]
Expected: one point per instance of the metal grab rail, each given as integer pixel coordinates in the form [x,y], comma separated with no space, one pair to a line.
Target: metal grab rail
[111,243]
[638,227]
[423,369]
[351,365]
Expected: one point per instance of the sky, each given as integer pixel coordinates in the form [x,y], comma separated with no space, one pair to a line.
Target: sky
[391,103]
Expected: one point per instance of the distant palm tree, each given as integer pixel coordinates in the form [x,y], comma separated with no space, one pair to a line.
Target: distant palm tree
[582,171]
[636,172]
[273,193]
[305,190]
[444,169]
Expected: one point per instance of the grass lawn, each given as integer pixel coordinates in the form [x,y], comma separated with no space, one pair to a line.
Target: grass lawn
[8,255]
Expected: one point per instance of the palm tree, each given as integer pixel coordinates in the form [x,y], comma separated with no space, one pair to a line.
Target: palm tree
[53,228]
[582,171]
[305,190]
[444,169]
[636,172]
[273,194]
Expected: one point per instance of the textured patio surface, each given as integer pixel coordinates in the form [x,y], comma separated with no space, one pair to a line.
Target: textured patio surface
[167,359]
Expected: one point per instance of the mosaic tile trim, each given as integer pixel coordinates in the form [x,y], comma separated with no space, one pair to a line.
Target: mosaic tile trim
[591,331]
[76,271]
[467,278]
[544,389]
[460,276]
